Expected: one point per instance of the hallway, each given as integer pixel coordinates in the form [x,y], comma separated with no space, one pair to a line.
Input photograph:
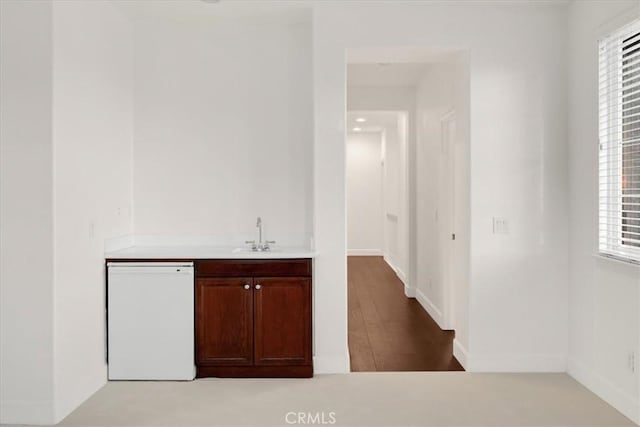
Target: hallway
[388,331]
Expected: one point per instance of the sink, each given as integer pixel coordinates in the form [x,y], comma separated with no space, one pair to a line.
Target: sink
[251,251]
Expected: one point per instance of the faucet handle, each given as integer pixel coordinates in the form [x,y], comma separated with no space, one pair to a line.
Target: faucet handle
[266,246]
[252,243]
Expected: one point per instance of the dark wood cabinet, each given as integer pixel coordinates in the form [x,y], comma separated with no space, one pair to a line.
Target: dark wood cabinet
[253,318]
[224,321]
[282,321]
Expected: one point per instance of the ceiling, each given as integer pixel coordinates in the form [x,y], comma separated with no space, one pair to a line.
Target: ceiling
[395,75]
[273,10]
[402,55]
[376,121]
[394,66]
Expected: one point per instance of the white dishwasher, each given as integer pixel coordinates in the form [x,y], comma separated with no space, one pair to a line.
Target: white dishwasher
[150,321]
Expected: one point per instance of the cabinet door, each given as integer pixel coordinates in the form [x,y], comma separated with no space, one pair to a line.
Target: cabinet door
[282,321]
[224,321]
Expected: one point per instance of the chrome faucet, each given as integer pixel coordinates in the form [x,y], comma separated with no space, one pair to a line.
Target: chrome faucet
[259,225]
[260,246]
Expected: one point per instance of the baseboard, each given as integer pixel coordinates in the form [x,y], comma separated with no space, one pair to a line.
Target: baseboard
[35,412]
[364,252]
[409,292]
[430,308]
[515,363]
[331,364]
[296,371]
[401,274]
[508,363]
[80,393]
[460,353]
[625,403]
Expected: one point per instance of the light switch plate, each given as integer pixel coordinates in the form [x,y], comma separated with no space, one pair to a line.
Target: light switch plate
[500,226]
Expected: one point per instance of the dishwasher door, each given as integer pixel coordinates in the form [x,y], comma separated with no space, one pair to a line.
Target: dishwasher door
[150,321]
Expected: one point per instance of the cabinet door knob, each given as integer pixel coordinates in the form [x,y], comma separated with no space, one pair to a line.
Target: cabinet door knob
[258,286]
[247,286]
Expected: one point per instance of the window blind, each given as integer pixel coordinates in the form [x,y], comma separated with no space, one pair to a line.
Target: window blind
[619,132]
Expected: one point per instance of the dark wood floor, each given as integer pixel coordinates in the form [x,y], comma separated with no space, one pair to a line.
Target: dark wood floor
[387,330]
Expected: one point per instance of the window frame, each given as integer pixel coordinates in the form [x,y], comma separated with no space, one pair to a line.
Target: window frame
[611,241]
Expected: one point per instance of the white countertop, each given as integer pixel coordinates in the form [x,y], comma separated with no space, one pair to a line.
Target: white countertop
[206,252]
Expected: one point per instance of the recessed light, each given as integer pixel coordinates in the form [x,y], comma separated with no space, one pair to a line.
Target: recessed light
[361,120]
[357,129]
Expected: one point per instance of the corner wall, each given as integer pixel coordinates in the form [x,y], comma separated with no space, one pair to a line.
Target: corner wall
[92,144]
[26,205]
[604,295]
[67,127]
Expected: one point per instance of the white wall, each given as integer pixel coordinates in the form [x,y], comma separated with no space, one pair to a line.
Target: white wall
[92,141]
[518,166]
[518,299]
[604,296]
[399,145]
[364,194]
[26,233]
[67,133]
[223,124]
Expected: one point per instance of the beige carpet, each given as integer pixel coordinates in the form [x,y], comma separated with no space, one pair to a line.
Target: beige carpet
[357,399]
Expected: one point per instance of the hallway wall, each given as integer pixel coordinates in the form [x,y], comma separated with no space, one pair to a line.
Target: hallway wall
[364,193]
[399,240]
[395,192]
[443,263]
[434,98]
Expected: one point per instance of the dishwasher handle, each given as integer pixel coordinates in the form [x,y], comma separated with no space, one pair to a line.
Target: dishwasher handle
[150,267]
